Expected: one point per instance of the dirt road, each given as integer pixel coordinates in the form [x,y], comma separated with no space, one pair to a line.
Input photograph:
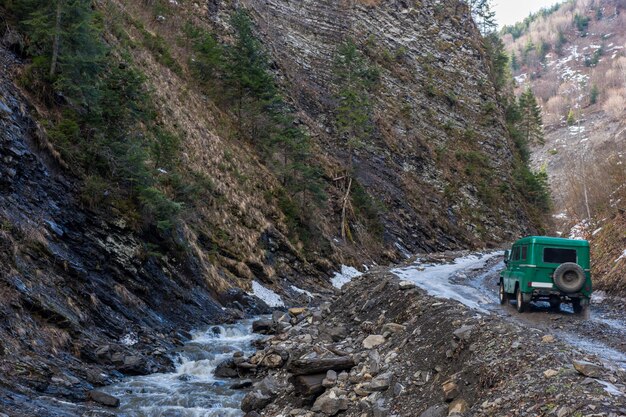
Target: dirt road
[473,279]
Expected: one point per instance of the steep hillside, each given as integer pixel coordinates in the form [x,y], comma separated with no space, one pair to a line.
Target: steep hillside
[150,179]
[573,57]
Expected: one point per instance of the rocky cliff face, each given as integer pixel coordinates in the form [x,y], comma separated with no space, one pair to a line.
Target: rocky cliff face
[439,156]
[83,299]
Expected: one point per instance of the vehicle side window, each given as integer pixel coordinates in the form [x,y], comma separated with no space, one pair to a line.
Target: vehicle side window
[524,253]
[515,255]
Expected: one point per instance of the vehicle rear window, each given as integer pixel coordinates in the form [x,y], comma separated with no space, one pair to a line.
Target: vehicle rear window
[559,256]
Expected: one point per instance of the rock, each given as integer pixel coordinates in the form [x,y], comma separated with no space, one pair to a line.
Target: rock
[226,369]
[406,285]
[252,414]
[308,385]
[393,328]
[463,333]
[550,373]
[103,398]
[439,410]
[330,403]
[459,406]
[255,401]
[268,385]
[330,380]
[246,383]
[134,365]
[295,312]
[450,390]
[588,369]
[262,326]
[398,389]
[373,340]
[381,382]
[563,412]
[336,333]
[311,366]
[548,339]
[272,360]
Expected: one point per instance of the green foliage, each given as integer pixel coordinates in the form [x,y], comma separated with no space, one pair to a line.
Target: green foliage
[530,122]
[367,210]
[571,117]
[483,15]
[592,61]
[582,24]
[594,94]
[64,42]
[356,79]
[106,130]
[560,42]
[499,60]
[207,62]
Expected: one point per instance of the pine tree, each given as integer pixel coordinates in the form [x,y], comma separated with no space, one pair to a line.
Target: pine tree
[484,15]
[67,47]
[248,79]
[356,79]
[530,124]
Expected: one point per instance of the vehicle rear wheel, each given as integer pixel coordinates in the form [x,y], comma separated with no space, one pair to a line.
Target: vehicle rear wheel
[521,304]
[502,294]
[577,306]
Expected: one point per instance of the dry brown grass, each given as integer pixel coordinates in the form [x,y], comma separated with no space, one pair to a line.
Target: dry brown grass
[615,104]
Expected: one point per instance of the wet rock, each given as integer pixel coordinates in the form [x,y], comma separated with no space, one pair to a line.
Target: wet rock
[439,410]
[330,403]
[373,340]
[255,401]
[459,406]
[134,365]
[262,326]
[246,383]
[103,398]
[588,369]
[226,369]
[252,414]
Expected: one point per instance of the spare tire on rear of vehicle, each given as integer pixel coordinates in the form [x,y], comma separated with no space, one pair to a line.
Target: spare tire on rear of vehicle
[569,277]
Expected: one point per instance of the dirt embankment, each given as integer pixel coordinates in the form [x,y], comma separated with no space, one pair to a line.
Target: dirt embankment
[384,348]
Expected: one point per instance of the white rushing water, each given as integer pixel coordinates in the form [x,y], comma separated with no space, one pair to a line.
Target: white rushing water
[192,390]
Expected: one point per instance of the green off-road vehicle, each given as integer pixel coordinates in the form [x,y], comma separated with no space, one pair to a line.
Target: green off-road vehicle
[547,269]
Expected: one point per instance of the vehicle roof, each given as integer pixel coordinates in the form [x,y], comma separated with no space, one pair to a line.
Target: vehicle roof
[549,240]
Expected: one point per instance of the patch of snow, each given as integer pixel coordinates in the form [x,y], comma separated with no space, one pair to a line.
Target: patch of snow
[301,291]
[621,257]
[346,275]
[560,216]
[435,279]
[129,339]
[598,297]
[579,230]
[268,296]
[610,388]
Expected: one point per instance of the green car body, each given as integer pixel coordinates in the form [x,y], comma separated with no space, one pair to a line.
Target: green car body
[547,268]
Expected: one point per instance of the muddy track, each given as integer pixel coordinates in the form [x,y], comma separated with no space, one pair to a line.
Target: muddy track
[601,330]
